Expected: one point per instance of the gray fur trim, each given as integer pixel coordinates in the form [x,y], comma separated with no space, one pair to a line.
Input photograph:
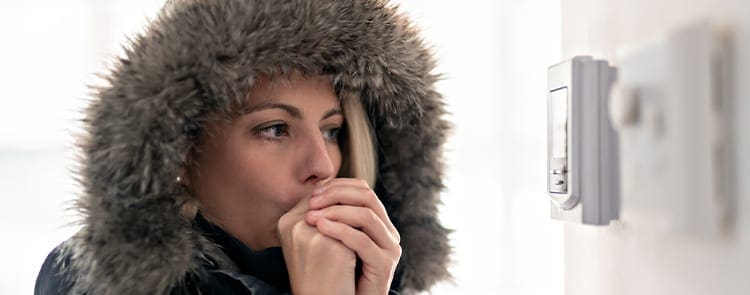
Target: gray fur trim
[197,58]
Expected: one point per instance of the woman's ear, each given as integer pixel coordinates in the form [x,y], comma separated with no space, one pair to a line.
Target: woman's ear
[183,178]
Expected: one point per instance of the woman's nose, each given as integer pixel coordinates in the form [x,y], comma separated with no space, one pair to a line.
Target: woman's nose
[316,159]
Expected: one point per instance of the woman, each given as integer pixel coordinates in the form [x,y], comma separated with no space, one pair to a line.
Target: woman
[261,147]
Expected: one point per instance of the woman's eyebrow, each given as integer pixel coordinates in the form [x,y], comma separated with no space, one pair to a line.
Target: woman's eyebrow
[292,110]
[332,112]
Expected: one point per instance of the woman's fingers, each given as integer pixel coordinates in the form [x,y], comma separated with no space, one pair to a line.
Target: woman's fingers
[352,192]
[326,195]
[359,218]
[324,185]
[348,195]
[352,238]
[377,261]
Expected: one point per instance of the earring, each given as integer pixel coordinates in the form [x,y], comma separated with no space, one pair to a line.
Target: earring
[179,179]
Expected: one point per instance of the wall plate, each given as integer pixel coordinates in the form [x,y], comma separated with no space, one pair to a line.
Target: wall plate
[671,107]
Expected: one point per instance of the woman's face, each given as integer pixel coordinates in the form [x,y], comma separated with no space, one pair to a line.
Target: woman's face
[250,171]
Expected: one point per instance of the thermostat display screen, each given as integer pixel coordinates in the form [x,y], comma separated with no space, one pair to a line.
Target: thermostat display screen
[559,102]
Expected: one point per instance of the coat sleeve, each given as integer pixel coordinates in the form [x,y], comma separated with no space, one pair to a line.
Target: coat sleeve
[224,282]
[54,276]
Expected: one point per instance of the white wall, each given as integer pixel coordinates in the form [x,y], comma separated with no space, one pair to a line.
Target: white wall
[626,258]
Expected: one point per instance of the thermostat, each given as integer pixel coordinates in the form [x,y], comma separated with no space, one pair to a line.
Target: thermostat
[582,156]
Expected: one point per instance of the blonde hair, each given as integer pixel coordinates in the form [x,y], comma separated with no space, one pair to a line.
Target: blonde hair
[358,144]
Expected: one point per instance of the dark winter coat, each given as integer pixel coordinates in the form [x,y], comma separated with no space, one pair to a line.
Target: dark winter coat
[198,59]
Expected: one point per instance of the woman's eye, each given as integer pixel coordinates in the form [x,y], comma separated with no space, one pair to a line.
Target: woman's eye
[274,131]
[332,134]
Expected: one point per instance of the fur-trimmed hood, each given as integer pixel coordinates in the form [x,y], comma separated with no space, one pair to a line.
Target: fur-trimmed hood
[198,58]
